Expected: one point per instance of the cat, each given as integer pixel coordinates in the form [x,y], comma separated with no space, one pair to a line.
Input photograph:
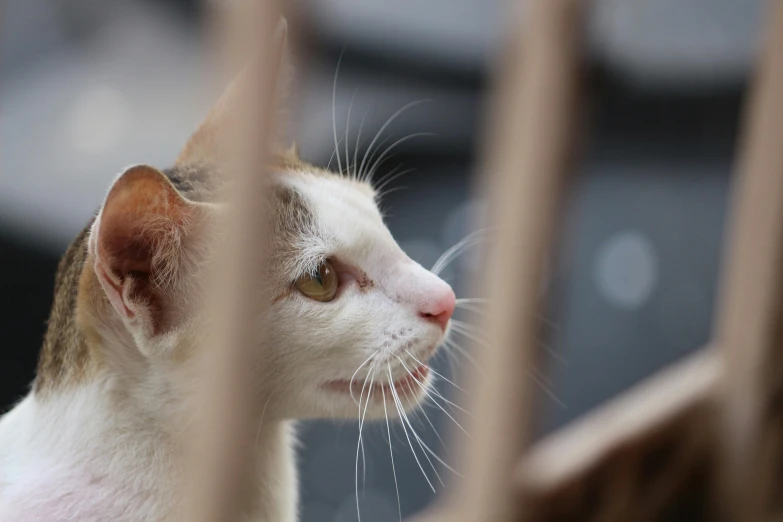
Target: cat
[351,317]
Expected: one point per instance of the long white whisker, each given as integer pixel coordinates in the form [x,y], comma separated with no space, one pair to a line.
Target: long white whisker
[391,453]
[401,412]
[383,128]
[465,330]
[331,157]
[334,111]
[356,148]
[386,192]
[547,390]
[359,444]
[451,344]
[379,161]
[454,251]
[479,300]
[427,391]
[347,130]
[391,178]
[405,420]
[435,373]
[350,382]
[429,450]
[422,445]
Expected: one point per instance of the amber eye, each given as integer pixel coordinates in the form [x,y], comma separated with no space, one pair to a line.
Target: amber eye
[320,285]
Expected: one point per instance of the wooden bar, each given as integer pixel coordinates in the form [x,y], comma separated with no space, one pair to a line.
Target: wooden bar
[525,169]
[749,316]
[645,455]
[223,464]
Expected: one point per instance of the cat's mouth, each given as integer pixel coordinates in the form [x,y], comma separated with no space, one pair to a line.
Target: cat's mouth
[412,382]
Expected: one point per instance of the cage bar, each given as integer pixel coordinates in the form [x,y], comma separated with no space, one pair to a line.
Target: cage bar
[527,159]
[223,466]
[749,316]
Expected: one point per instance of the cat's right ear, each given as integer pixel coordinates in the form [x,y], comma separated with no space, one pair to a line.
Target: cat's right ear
[137,244]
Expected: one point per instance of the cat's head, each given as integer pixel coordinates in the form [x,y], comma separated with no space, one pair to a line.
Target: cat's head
[349,313]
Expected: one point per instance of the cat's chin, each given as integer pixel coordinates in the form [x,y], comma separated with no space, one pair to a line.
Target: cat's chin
[405,393]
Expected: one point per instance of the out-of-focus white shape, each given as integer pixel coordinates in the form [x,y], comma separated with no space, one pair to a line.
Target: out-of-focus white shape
[626,269]
[99,119]
[374,506]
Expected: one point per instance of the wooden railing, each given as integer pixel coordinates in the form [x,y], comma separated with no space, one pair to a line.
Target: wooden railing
[703,440]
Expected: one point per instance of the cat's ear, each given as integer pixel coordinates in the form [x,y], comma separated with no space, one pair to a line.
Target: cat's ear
[137,244]
[204,144]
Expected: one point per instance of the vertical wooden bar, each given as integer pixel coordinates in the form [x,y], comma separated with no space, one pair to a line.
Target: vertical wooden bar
[223,463]
[749,316]
[525,171]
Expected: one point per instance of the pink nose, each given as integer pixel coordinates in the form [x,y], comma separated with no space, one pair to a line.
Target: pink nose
[440,307]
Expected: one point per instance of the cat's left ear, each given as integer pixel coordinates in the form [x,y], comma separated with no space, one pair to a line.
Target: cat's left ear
[140,243]
[204,144]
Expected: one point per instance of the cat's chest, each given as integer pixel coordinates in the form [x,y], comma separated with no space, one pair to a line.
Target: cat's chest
[60,493]
[64,465]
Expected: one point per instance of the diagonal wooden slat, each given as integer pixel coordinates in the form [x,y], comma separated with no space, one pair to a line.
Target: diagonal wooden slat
[660,451]
[646,455]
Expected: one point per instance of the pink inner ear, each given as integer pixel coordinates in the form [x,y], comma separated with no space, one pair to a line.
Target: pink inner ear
[113,292]
[140,214]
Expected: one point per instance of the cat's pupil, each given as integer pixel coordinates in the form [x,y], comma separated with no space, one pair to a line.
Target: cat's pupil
[318,278]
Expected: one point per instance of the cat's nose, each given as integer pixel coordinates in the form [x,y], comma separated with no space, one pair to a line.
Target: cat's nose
[439,307]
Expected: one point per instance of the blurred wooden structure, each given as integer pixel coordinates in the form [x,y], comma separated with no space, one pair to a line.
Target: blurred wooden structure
[700,441]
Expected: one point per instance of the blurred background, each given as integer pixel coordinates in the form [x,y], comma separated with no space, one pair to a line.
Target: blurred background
[88,87]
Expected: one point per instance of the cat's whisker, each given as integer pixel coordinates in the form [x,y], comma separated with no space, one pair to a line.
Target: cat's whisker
[371,171]
[466,330]
[473,300]
[431,390]
[452,344]
[261,420]
[412,405]
[436,373]
[347,130]
[390,178]
[386,192]
[331,157]
[371,159]
[547,389]
[356,148]
[334,111]
[469,331]
[360,445]
[456,250]
[401,413]
[383,128]
[433,453]
[350,382]
[423,445]
[391,454]
[405,420]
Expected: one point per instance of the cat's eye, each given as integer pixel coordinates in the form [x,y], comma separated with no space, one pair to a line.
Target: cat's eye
[320,285]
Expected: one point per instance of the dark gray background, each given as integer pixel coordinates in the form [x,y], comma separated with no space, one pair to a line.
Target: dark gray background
[88,87]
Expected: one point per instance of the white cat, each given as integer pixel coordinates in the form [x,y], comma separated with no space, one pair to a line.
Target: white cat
[100,436]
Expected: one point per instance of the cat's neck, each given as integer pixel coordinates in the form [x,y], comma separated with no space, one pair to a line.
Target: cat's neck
[93,441]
